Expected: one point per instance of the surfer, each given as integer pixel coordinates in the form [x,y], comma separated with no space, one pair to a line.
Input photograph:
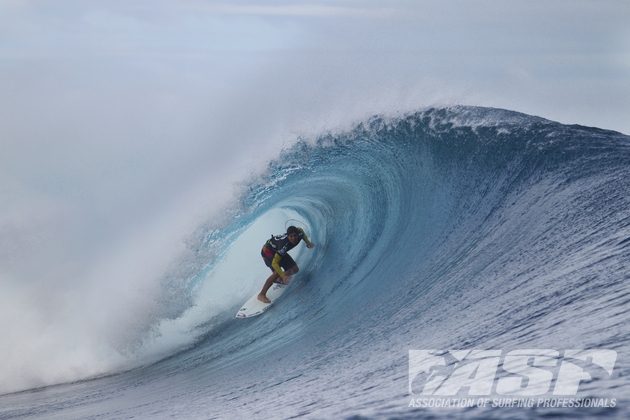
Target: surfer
[276,257]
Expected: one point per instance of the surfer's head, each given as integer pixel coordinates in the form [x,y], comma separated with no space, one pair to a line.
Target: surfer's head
[293,234]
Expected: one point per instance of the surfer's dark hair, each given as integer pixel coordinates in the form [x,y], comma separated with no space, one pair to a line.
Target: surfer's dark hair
[293,229]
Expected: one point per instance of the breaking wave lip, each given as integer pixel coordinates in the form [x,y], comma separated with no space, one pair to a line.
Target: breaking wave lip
[516,221]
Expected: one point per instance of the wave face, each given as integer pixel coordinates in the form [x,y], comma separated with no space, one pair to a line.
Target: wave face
[451,228]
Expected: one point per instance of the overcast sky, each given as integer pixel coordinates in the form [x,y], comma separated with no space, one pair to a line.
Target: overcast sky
[125,123]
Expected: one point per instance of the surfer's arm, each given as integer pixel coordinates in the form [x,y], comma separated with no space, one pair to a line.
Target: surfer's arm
[275,264]
[307,241]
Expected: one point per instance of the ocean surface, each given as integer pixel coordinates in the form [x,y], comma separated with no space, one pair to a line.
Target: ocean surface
[449,228]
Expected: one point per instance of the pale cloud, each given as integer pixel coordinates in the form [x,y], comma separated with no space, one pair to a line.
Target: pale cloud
[302,10]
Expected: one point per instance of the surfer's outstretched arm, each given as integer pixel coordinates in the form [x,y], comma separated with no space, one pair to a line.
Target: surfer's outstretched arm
[307,241]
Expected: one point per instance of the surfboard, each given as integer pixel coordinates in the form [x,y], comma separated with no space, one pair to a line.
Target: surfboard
[254,307]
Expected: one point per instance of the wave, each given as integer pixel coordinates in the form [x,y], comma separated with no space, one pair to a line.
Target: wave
[459,227]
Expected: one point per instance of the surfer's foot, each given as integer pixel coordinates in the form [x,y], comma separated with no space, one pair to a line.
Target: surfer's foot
[263,298]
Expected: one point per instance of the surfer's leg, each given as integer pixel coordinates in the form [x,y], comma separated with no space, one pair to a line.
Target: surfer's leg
[289,265]
[262,296]
[293,270]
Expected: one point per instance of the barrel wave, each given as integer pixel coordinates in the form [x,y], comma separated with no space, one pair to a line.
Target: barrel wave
[449,228]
